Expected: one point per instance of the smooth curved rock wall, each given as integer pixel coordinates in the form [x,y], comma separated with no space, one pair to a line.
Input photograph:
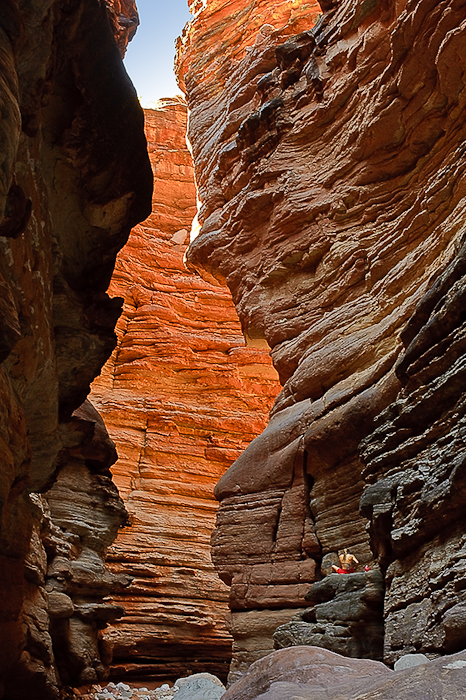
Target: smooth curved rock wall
[74,179]
[181,396]
[330,175]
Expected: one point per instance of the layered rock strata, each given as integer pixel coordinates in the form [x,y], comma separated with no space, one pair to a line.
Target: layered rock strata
[345,609]
[330,173]
[74,179]
[415,471]
[182,397]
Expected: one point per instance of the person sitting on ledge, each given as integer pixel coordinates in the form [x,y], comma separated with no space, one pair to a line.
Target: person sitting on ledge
[346,561]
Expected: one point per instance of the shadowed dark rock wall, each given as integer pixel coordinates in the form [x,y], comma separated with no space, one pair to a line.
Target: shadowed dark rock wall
[346,614]
[74,178]
[415,471]
[331,180]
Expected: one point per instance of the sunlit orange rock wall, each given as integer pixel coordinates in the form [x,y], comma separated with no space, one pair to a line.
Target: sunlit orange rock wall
[124,18]
[181,397]
[331,186]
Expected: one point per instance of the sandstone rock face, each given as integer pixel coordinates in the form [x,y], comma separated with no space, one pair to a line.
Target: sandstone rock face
[74,178]
[181,396]
[330,174]
[124,18]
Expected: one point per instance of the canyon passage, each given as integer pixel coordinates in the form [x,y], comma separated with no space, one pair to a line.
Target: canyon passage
[296,353]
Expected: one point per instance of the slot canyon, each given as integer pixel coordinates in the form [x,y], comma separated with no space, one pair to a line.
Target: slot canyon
[182,397]
[225,360]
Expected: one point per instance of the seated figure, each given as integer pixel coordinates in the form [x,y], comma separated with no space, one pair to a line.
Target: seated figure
[346,561]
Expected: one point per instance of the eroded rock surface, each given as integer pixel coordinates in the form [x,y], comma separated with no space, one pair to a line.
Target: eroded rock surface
[306,672]
[124,17]
[74,179]
[310,673]
[331,184]
[346,614]
[415,470]
[182,397]
[85,511]
[67,584]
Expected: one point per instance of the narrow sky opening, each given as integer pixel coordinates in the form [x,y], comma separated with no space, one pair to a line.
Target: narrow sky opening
[150,55]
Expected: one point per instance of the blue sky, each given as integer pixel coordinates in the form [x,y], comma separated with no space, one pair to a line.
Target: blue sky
[150,55]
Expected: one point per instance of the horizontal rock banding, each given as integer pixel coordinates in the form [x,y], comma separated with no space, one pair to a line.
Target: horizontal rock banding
[331,184]
[182,396]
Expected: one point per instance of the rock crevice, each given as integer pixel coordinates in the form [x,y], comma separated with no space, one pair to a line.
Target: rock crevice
[182,396]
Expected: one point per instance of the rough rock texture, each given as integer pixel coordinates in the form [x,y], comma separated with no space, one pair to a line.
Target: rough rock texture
[86,512]
[330,168]
[123,15]
[74,178]
[415,468]
[182,397]
[346,614]
[309,673]
[66,582]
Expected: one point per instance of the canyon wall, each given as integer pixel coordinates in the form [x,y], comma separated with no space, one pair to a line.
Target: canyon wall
[330,168]
[181,397]
[124,19]
[74,179]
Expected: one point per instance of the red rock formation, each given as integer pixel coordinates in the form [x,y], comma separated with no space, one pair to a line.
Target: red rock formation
[330,176]
[74,179]
[124,18]
[182,397]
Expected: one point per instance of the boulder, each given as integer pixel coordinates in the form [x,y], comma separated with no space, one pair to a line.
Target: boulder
[409,661]
[302,669]
[322,675]
[200,686]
